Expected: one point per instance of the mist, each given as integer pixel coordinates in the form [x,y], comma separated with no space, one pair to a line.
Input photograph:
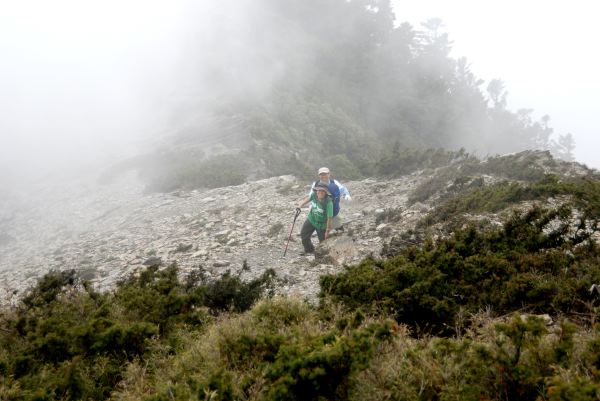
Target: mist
[70,92]
[86,83]
[83,85]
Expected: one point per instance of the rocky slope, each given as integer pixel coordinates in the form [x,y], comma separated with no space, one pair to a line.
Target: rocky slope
[108,231]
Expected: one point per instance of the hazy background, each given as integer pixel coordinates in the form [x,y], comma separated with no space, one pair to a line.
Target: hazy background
[79,81]
[82,83]
[544,51]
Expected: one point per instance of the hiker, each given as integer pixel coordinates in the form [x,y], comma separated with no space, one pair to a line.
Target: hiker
[320,216]
[337,190]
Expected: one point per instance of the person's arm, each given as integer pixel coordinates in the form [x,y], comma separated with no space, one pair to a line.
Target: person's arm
[329,227]
[329,219]
[303,202]
[343,190]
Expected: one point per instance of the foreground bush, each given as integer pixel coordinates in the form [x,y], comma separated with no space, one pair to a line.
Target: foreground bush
[518,359]
[287,350]
[542,262]
[66,341]
[280,350]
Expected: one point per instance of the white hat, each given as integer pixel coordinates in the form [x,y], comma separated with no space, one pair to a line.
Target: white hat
[323,170]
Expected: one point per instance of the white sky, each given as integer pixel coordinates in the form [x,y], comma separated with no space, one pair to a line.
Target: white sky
[546,52]
[74,79]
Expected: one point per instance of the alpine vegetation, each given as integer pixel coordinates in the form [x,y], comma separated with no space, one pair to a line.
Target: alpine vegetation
[494,301]
[225,260]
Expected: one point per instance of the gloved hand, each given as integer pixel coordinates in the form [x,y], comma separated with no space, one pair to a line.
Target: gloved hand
[298,210]
[347,197]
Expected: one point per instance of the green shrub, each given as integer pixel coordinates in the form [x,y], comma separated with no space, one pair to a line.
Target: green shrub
[389,216]
[583,194]
[579,389]
[505,359]
[66,341]
[520,166]
[533,262]
[280,312]
[230,292]
[592,354]
[183,171]
[515,363]
[126,339]
[322,369]
[402,162]
[157,296]
[49,287]
[342,167]
[281,349]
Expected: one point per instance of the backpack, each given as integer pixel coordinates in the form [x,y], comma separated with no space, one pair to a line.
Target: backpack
[334,190]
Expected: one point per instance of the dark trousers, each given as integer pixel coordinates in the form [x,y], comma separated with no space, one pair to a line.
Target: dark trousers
[307,230]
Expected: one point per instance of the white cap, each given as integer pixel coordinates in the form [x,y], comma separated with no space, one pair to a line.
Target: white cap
[323,170]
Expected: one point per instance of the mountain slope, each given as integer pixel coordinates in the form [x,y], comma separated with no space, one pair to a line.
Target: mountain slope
[108,231]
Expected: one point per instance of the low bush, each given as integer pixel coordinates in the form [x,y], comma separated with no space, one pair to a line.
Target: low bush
[184,171]
[321,369]
[389,216]
[583,193]
[514,359]
[402,162]
[81,346]
[286,350]
[281,350]
[526,172]
[535,262]
[521,166]
[230,293]
[49,287]
[446,183]
[66,341]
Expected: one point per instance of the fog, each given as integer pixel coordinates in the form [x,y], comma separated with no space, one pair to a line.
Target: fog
[83,84]
[74,79]
[542,50]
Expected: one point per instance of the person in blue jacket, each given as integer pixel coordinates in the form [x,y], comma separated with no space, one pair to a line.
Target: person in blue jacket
[337,191]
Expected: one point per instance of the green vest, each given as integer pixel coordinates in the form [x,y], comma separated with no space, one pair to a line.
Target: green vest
[319,213]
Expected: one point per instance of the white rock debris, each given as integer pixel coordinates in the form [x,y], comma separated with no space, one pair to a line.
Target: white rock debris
[106,232]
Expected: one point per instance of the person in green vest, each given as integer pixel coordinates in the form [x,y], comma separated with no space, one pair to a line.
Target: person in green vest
[320,216]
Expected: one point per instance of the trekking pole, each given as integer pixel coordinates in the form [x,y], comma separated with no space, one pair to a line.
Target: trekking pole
[298,210]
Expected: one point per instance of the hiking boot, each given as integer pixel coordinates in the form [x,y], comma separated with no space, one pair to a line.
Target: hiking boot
[304,253]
